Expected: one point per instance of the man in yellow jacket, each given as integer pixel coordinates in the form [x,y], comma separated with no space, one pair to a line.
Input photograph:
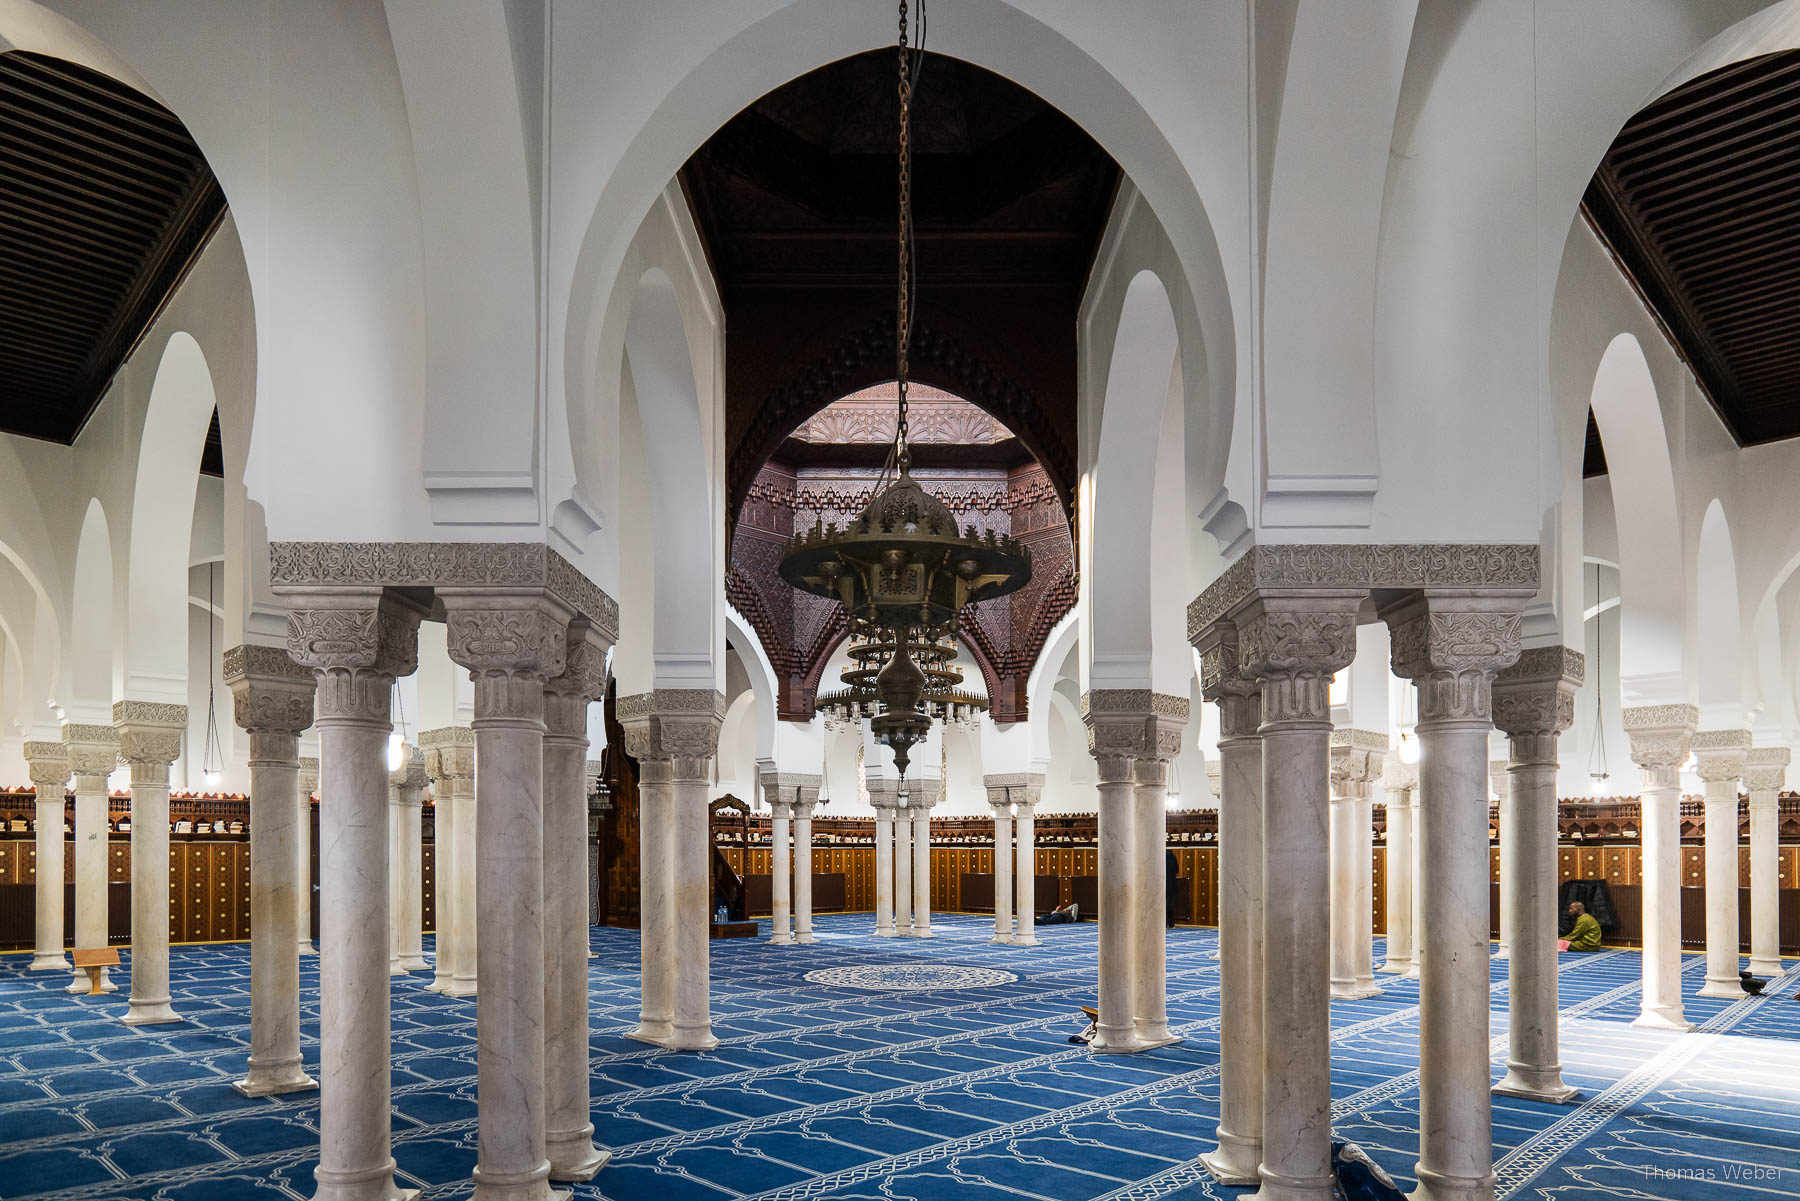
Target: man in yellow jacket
[1585,935]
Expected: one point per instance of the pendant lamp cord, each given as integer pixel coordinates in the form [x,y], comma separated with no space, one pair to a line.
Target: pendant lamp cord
[912,60]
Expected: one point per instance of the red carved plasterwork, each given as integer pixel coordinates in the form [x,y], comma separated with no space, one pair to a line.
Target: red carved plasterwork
[799,632]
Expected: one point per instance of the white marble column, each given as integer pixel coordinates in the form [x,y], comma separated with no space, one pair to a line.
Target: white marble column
[409,783]
[1721,755]
[781,813]
[656,903]
[1003,865]
[443,870]
[356,640]
[1661,736]
[803,864]
[1534,701]
[1240,859]
[921,798]
[511,643]
[1418,888]
[303,900]
[1025,860]
[149,740]
[1356,757]
[1400,780]
[93,754]
[1499,780]
[49,766]
[884,865]
[273,702]
[1150,848]
[450,754]
[674,736]
[1765,772]
[1116,1029]
[903,903]
[568,1125]
[1450,645]
[1293,646]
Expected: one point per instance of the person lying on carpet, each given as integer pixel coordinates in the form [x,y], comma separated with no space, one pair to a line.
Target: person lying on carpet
[1359,1178]
[1058,917]
[1585,934]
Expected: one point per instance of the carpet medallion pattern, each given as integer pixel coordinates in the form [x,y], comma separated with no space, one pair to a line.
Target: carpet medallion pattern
[870,1069]
[910,977]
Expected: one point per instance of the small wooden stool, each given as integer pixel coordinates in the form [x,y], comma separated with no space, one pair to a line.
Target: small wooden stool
[95,960]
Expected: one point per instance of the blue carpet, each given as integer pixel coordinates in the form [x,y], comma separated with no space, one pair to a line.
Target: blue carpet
[907,1071]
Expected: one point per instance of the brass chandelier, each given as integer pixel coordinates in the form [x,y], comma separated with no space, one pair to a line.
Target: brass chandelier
[900,570]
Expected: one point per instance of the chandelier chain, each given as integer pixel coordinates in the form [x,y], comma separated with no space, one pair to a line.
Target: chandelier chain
[903,306]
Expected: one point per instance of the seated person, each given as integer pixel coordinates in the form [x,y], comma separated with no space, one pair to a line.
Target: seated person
[1584,935]
[1057,917]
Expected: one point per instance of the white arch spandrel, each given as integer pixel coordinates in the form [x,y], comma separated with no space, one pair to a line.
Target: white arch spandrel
[1718,629]
[94,664]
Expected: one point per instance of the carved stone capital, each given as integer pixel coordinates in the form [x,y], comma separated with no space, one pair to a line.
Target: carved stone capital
[1293,645]
[149,733]
[270,693]
[1022,789]
[48,763]
[92,750]
[1661,737]
[410,779]
[1451,646]
[309,776]
[356,641]
[787,787]
[449,752]
[582,682]
[1536,695]
[923,794]
[1720,755]
[1765,770]
[1238,696]
[1397,775]
[672,723]
[1134,723]
[1356,759]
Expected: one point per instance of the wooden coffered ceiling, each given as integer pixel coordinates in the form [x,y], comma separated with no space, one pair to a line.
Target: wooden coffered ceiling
[105,203]
[796,199]
[1699,200]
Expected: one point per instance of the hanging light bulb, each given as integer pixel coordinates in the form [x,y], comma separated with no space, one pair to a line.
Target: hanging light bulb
[396,750]
[1409,747]
[212,758]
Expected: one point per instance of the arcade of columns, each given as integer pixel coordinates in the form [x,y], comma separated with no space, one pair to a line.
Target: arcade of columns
[1295,798]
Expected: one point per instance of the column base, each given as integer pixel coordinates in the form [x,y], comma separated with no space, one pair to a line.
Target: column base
[692,1038]
[438,985]
[1152,1037]
[781,940]
[1412,972]
[1537,1085]
[1116,1040]
[1501,951]
[460,987]
[306,947]
[58,962]
[656,1031]
[1728,989]
[79,986]
[1766,968]
[151,1013]
[806,939]
[1435,1186]
[1353,992]
[370,1184]
[573,1156]
[1663,1019]
[1002,940]
[1024,940]
[1276,1187]
[925,933]
[880,933]
[414,963]
[271,1081]
[517,1186]
[394,968]
[1234,1161]
[1396,967]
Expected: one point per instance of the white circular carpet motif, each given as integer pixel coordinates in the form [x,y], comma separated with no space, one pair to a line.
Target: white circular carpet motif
[907,977]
